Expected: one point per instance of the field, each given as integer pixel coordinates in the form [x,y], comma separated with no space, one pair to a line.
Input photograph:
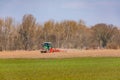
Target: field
[67,53]
[67,65]
[60,69]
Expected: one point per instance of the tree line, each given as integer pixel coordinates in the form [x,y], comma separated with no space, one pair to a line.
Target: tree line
[28,35]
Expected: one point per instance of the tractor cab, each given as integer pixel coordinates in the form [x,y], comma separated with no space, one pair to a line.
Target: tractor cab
[46,46]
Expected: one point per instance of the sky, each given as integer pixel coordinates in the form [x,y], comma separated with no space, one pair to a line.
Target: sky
[90,11]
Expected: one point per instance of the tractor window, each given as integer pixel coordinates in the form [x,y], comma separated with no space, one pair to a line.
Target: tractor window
[47,46]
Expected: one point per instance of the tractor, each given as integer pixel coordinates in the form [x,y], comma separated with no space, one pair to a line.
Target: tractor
[47,47]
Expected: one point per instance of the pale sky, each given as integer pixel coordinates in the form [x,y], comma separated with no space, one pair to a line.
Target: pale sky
[91,11]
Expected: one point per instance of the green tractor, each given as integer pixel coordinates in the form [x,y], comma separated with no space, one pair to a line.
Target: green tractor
[46,46]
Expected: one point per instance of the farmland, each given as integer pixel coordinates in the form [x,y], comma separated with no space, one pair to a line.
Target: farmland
[60,69]
[71,64]
[67,53]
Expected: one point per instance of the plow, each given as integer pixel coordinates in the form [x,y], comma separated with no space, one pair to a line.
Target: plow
[47,47]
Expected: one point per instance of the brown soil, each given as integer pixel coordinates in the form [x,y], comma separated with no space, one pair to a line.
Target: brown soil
[68,53]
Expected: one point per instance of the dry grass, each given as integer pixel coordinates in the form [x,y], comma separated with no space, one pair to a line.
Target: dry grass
[68,53]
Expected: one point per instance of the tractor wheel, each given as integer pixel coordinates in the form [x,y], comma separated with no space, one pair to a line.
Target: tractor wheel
[43,51]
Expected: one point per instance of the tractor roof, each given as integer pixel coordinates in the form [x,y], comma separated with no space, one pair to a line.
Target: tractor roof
[48,42]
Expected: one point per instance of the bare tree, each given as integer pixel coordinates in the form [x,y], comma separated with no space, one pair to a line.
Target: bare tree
[49,32]
[1,34]
[103,33]
[27,31]
[6,29]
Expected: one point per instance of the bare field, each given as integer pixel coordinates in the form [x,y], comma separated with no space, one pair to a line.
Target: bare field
[68,53]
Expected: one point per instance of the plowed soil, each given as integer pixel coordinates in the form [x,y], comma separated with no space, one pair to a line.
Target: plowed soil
[67,53]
